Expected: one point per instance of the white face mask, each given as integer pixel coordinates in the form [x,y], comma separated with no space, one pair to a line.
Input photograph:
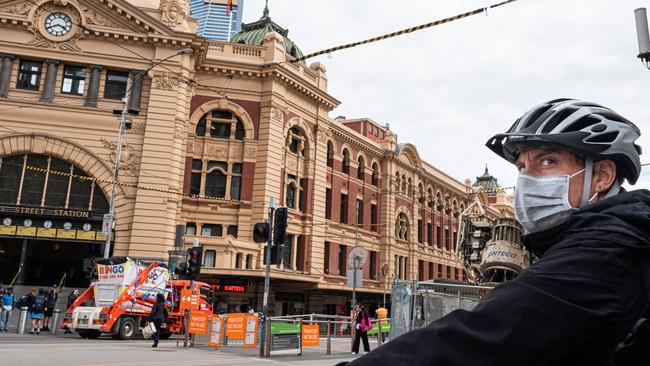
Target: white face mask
[542,203]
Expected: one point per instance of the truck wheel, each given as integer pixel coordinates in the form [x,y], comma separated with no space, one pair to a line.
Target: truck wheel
[83,333]
[127,328]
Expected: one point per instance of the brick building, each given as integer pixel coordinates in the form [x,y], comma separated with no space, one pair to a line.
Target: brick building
[221,132]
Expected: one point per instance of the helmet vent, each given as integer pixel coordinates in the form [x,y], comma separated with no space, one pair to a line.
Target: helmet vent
[535,116]
[582,123]
[606,137]
[557,119]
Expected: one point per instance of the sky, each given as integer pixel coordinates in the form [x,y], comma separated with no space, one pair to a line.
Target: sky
[449,88]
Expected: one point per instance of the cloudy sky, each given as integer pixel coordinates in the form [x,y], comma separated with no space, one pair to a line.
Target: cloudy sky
[449,88]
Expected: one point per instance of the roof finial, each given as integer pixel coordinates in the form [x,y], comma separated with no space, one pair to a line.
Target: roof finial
[486,169]
[266,9]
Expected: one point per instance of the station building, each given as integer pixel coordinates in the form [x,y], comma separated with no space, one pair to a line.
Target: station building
[219,135]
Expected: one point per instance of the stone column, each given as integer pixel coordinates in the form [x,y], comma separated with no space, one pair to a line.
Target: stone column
[50,81]
[93,87]
[137,78]
[5,74]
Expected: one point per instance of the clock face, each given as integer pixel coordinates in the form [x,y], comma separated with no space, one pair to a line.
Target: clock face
[47,224]
[87,227]
[7,221]
[27,222]
[67,225]
[58,24]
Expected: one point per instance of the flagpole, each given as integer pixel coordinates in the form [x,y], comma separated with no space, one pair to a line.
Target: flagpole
[229,22]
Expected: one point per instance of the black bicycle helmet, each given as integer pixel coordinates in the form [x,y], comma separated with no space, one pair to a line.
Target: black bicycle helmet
[587,129]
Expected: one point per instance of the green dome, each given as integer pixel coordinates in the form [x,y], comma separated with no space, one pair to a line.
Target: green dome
[488,182]
[253,34]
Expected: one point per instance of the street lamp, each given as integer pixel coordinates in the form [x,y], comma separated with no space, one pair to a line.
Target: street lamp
[643,36]
[120,140]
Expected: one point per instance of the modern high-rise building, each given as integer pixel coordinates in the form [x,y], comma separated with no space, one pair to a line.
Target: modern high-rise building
[215,22]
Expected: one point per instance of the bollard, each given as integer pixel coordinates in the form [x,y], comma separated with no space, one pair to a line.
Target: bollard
[55,321]
[329,338]
[267,337]
[22,320]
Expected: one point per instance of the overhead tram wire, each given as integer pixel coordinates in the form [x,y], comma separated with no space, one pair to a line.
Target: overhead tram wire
[401,32]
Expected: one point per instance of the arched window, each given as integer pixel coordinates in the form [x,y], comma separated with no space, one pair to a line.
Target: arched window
[346,161]
[221,124]
[330,154]
[403,183]
[215,179]
[361,171]
[410,187]
[57,185]
[375,174]
[239,130]
[398,183]
[431,199]
[200,127]
[402,227]
[296,141]
[291,198]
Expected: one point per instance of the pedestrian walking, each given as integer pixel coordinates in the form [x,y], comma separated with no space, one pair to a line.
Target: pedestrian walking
[52,297]
[362,326]
[8,301]
[584,301]
[158,316]
[37,305]
[71,299]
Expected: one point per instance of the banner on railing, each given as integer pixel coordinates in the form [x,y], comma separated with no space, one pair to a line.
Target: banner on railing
[310,335]
[250,341]
[198,323]
[235,324]
[216,325]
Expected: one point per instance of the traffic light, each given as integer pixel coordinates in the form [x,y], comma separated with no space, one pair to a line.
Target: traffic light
[280,225]
[261,232]
[276,253]
[193,262]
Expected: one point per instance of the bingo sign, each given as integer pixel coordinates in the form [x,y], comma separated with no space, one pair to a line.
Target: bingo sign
[198,323]
[235,326]
[310,336]
[156,283]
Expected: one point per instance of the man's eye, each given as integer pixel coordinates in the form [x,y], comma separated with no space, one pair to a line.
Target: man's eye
[547,162]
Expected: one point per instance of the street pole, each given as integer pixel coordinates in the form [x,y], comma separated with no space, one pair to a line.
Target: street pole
[116,171]
[120,142]
[356,259]
[267,285]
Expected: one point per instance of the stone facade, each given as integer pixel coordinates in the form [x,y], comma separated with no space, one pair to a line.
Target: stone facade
[222,132]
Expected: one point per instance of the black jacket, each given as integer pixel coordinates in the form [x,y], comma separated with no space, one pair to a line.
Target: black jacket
[569,308]
[158,311]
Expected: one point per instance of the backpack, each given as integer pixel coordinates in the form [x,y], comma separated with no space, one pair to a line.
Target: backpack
[38,306]
[22,302]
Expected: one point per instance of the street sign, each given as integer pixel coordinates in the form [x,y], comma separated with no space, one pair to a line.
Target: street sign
[310,336]
[352,273]
[250,341]
[106,225]
[235,324]
[215,331]
[198,323]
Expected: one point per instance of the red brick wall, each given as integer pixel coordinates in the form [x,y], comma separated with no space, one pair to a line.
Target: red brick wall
[248,176]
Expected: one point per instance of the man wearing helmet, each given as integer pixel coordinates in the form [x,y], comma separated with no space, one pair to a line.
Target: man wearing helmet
[589,286]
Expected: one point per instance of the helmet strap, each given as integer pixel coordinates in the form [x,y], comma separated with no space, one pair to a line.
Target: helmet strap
[614,189]
[586,187]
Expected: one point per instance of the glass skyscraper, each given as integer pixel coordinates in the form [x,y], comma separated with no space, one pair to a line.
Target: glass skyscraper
[214,21]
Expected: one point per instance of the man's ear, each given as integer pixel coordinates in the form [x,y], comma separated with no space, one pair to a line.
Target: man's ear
[604,176]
